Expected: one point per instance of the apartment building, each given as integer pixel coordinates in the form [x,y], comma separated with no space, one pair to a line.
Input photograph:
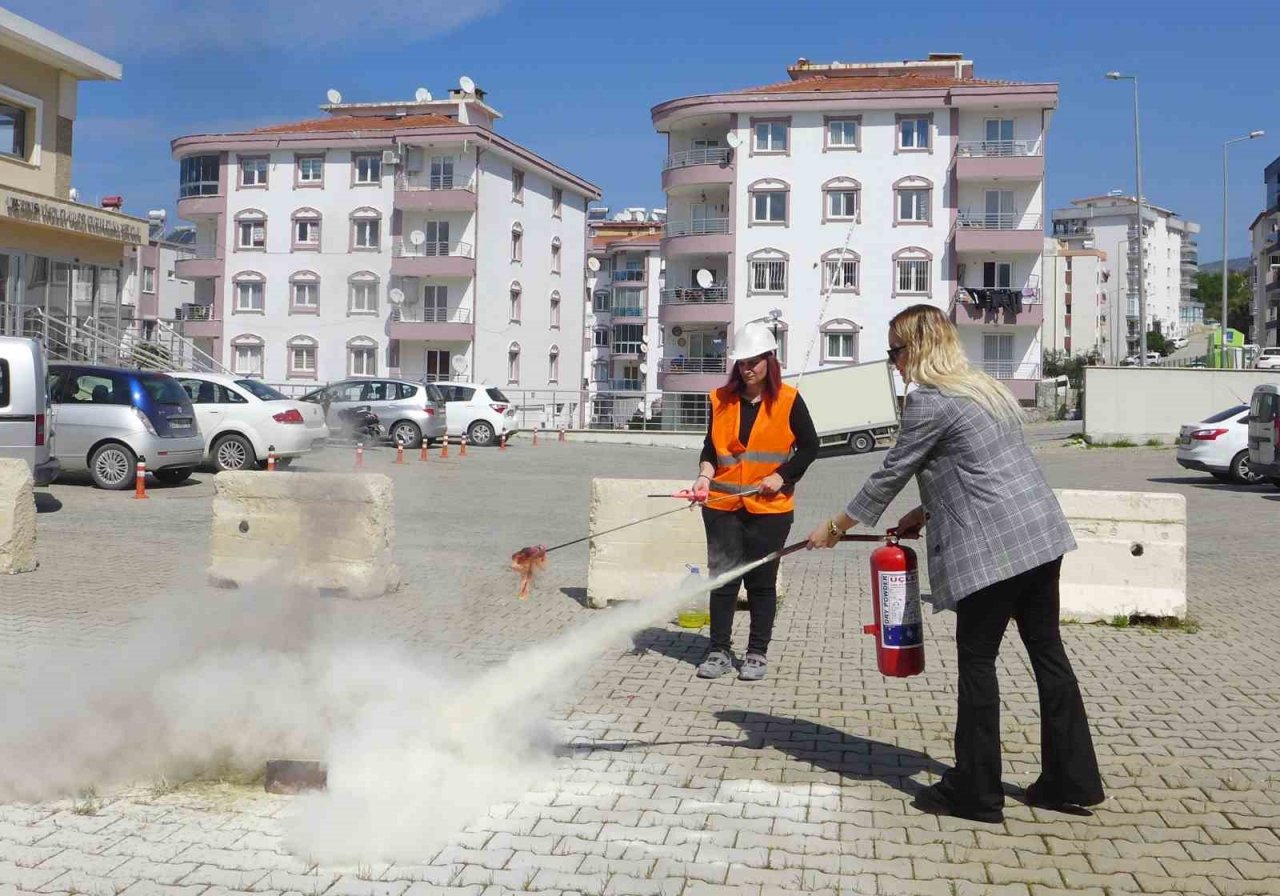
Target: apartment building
[1110,223]
[1264,240]
[624,281]
[152,288]
[386,238]
[826,203]
[60,260]
[1077,302]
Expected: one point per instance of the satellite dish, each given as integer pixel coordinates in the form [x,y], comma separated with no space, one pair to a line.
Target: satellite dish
[75,195]
[593,264]
[459,364]
[333,96]
[733,139]
[644,368]
[396,296]
[704,278]
[467,85]
[422,95]
[417,237]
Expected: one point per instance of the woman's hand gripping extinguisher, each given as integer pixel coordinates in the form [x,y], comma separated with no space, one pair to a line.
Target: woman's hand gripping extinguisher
[895,597]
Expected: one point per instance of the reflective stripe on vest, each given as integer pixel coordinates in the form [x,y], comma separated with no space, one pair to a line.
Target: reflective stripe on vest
[770,445]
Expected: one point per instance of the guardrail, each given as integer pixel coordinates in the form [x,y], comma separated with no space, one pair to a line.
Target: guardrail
[696,228]
[418,315]
[697,295]
[998,148]
[1011,370]
[402,248]
[434,182]
[692,365]
[196,250]
[998,221]
[195,312]
[709,156]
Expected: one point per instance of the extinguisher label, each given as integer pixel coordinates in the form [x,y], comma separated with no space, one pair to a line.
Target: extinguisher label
[900,609]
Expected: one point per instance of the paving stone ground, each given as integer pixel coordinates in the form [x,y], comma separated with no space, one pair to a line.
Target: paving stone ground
[673,786]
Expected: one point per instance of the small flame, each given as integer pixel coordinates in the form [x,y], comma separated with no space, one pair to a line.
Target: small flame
[528,561]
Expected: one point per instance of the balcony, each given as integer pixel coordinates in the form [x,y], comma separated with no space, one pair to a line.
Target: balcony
[981,306]
[620,385]
[196,261]
[679,305]
[197,321]
[1020,377]
[697,167]
[1004,160]
[197,205]
[1071,230]
[628,276]
[437,193]
[415,323]
[681,374]
[432,259]
[999,232]
[708,236]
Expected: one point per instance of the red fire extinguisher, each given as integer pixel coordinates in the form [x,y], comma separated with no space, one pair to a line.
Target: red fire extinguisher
[895,597]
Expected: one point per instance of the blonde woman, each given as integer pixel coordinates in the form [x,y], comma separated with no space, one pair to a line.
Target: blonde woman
[996,536]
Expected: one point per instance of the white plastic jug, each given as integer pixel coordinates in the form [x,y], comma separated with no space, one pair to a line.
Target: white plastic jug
[695,613]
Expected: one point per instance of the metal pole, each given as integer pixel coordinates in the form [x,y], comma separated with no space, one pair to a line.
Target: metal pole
[1223,355]
[1142,257]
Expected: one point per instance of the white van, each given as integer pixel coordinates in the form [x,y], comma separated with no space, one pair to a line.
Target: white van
[26,430]
[1264,431]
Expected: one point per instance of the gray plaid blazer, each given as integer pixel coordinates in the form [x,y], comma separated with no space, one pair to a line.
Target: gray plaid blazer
[991,514]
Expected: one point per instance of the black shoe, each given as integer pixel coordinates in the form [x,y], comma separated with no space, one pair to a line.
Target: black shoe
[933,801]
[1038,796]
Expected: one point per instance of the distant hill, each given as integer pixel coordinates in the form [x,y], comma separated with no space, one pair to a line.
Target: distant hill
[1235,264]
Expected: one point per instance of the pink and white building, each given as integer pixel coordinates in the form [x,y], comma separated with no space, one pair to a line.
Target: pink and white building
[393,238]
[891,183]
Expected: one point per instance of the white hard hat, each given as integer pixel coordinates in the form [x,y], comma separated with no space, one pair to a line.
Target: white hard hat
[753,340]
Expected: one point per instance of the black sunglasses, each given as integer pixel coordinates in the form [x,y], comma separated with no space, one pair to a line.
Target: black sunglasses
[894,352]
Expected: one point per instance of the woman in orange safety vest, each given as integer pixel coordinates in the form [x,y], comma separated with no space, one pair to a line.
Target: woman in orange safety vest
[759,443]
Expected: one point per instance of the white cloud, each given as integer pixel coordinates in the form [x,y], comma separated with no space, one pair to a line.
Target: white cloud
[134,28]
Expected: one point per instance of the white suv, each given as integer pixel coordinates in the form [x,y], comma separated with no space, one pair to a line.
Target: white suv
[482,412]
[1268,359]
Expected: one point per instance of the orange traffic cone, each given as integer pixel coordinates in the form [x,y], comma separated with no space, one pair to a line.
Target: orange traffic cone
[271,458]
[359,455]
[562,434]
[462,450]
[502,442]
[140,479]
[422,451]
[399,453]
[535,437]
[444,447]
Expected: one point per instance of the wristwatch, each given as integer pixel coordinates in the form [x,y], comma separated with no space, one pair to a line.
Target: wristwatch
[833,530]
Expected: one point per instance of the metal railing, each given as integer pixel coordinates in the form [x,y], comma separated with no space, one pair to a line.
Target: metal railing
[998,221]
[998,148]
[622,385]
[696,228]
[402,248]
[628,276]
[636,311]
[1073,232]
[409,184]
[195,312]
[696,295]
[711,156]
[419,314]
[969,294]
[692,365]
[1011,370]
[189,251]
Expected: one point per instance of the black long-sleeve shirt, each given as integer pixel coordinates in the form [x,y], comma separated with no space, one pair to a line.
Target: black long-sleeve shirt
[801,427]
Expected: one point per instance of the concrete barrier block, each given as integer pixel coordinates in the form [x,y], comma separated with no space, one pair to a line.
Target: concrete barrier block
[17,517]
[1132,555]
[325,531]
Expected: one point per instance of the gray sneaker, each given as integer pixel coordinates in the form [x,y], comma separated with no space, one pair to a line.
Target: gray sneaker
[753,668]
[716,664]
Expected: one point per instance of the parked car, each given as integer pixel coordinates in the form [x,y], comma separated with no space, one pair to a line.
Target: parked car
[1264,431]
[1219,446]
[242,420]
[1180,342]
[409,412]
[1132,360]
[107,417]
[25,418]
[483,413]
[1268,359]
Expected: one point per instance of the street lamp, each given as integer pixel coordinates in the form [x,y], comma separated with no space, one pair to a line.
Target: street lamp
[774,315]
[1252,135]
[1142,261]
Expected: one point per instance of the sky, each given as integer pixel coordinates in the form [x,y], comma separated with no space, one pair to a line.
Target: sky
[575,81]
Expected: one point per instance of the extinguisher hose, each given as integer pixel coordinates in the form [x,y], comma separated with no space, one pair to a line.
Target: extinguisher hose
[890,537]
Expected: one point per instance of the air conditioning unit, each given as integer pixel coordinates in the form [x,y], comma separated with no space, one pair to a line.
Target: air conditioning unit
[677,331]
[390,157]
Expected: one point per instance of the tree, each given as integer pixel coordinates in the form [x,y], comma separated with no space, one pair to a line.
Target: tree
[1156,343]
[1239,298]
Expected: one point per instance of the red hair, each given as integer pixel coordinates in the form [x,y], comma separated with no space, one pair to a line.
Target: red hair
[772,378]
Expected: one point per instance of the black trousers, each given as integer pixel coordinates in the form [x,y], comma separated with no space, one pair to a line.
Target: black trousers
[735,537]
[1069,767]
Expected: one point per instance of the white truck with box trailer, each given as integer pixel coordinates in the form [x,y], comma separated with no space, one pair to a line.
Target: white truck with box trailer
[853,405]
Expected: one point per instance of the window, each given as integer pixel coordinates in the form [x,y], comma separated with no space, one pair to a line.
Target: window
[249,290]
[438,366]
[555,310]
[246,355]
[251,230]
[553,365]
[253,171]
[302,357]
[912,272]
[769,207]
[840,347]
[148,279]
[998,210]
[441,173]
[602,302]
[304,293]
[842,133]
[628,339]
[362,357]
[199,176]
[13,131]
[997,275]
[517,185]
[309,171]
[769,137]
[601,338]
[513,303]
[913,133]
[366,230]
[517,242]
[306,230]
[912,202]
[557,202]
[435,303]
[767,273]
[555,255]
[843,204]
[997,355]
[840,274]
[366,169]
[362,293]
[513,363]
[999,136]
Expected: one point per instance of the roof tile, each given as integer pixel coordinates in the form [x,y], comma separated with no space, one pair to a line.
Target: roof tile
[347,123]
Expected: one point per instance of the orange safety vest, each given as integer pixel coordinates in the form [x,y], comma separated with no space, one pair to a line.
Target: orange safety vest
[739,468]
